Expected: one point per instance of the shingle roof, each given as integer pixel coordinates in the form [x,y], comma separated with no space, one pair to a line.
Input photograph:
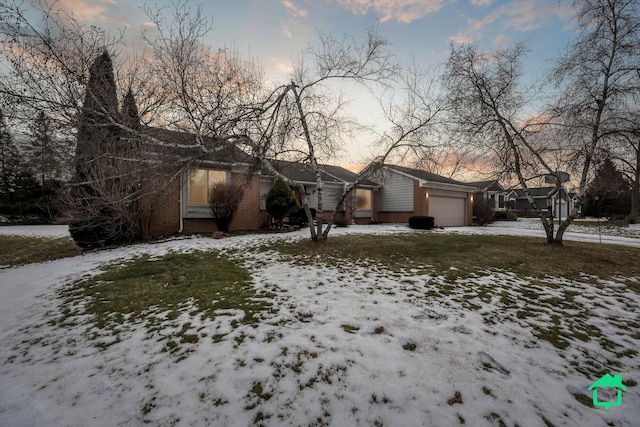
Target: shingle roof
[426,176]
[535,192]
[302,172]
[486,185]
[183,146]
[346,175]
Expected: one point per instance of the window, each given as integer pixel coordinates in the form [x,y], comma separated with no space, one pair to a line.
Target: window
[363,199]
[206,186]
[501,201]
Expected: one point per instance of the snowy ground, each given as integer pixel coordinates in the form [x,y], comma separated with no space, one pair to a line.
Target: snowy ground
[347,345]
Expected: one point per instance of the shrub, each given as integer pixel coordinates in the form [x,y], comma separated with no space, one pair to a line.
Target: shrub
[341,220]
[224,207]
[299,217]
[420,222]
[506,216]
[482,211]
[280,201]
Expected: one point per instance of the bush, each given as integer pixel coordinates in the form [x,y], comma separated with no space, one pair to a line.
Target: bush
[341,220]
[280,201]
[224,207]
[506,216]
[482,211]
[422,222]
[299,217]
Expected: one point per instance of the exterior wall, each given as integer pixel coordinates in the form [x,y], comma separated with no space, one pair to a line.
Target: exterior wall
[166,217]
[419,202]
[330,196]
[397,193]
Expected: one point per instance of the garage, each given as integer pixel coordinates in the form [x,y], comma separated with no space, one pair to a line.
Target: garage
[448,211]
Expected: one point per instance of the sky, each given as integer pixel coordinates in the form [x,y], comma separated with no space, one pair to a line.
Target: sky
[274,32]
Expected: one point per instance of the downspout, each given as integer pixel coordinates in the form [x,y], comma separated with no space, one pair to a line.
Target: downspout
[180,210]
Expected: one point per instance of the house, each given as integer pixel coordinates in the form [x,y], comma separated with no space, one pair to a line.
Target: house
[405,192]
[608,381]
[574,204]
[492,192]
[558,204]
[185,204]
[400,194]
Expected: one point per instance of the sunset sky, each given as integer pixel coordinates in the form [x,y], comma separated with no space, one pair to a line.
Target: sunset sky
[273,32]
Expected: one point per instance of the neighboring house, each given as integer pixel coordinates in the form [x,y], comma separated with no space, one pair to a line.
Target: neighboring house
[406,192]
[559,203]
[573,204]
[492,192]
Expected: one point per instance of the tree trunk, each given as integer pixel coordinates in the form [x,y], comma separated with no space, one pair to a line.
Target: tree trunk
[635,188]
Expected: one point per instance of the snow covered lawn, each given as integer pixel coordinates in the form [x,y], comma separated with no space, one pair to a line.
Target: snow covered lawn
[347,343]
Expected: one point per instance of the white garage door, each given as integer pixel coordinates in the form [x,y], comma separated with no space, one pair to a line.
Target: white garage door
[448,211]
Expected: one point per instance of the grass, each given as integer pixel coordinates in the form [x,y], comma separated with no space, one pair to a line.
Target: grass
[203,281]
[19,250]
[458,255]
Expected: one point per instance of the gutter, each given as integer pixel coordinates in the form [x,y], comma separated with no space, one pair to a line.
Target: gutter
[447,186]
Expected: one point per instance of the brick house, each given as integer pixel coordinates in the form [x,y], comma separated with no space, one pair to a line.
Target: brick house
[184,207]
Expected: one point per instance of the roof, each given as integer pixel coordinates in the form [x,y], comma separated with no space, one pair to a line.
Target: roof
[183,146]
[425,176]
[346,175]
[301,172]
[535,192]
[490,185]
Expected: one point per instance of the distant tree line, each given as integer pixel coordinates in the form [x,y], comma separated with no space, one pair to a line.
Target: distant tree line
[33,171]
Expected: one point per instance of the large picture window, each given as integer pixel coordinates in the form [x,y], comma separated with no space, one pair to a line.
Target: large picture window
[206,186]
[363,200]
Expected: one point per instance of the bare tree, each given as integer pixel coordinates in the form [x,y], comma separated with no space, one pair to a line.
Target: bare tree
[598,77]
[203,91]
[306,116]
[215,94]
[489,104]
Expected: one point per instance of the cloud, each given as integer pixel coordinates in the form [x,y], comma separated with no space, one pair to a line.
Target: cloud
[502,40]
[519,15]
[83,10]
[294,10]
[287,32]
[481,2]
[523,15]
[103,13]
[403,11]
[461,38]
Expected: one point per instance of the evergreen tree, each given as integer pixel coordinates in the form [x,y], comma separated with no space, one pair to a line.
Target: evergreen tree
[94,221]
[9,167]
[130,115]
[96,134]
[280,201]
[42,153]
[609,193]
